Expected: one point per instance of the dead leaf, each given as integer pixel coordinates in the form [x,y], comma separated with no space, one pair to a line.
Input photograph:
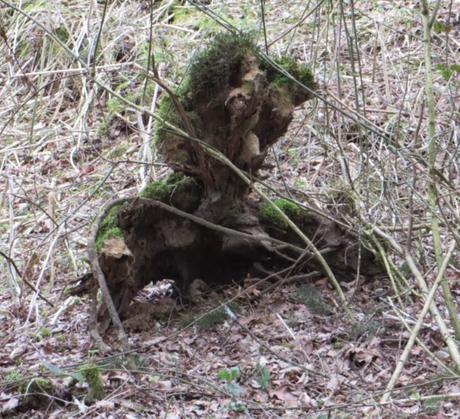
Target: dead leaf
[361,357]
[284,395]
[9,405]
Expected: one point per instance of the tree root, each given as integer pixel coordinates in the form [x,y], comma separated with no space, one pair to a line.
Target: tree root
[102,283]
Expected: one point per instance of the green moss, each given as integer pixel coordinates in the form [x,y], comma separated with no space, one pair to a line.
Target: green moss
[35,6]
[216,316]
[167,112]
[115,105]
[23,47]
[178,190]
[269,215]
[16,379]
[448,72]
[212,69]
[92,376]
[108,234]
[44,333]
[133,91]
[299,71]
[157,190]
[62,34]
[180,181]
[118,151]
[440,27]
[39,385]
[344,200]
[109,228]
[102,130]
[189,16]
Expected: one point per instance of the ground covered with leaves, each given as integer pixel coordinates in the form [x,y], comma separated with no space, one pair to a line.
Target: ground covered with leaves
[275,346]
[285,353]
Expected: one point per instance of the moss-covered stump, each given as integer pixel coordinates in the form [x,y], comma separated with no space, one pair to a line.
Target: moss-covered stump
[343,252]
[234,102]
[238,104]
[153,243]
[158,243]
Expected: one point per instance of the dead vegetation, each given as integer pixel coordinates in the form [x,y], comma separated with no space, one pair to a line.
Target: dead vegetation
[78,117]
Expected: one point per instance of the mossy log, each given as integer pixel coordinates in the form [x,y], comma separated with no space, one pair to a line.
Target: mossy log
[200,222]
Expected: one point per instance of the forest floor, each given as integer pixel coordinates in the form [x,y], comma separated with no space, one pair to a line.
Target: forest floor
[66,147]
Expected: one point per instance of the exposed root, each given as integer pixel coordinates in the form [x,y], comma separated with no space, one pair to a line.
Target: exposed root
[99,275]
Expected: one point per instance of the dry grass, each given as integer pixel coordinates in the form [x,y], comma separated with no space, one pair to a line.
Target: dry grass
[67,145]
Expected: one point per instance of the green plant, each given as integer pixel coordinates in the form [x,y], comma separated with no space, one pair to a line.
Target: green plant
[263,376]
[176,184]
[167,140]
[159,190]
[16,379]
[440,27]
[230,377]
[189,16]
[115,105]
[448,71]
[103,129]
[62,33]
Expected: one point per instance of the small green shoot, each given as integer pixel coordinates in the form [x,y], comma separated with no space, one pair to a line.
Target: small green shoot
[229,374]
[263,377]
[447,72]
[230,377]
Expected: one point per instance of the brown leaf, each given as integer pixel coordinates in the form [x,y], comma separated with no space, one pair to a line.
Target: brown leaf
[284,395]
[361,356]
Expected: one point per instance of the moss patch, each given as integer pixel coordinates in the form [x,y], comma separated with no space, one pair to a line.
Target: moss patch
[190,17]
[15,379]
[92,376]
[172,146]
[177,190]
[157,190]
[109,228]
[167,112]
[269,215]
[162,190]
[300,72]
[217,316]
[40,385]
[214,67]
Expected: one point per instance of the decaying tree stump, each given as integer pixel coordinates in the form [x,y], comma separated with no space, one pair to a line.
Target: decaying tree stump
[200,222]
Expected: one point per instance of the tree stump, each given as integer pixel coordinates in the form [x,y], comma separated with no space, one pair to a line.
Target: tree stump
[200,222]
